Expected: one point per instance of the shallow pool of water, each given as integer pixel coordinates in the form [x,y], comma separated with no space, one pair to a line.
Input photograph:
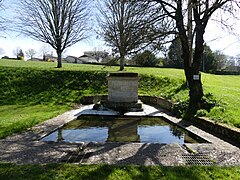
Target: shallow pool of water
[122,129]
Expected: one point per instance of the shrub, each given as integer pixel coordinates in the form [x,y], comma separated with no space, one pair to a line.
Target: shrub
[20,55]
[217,113]
[5,57]
[147,59]
[201,113]
[208,103]
[180,108]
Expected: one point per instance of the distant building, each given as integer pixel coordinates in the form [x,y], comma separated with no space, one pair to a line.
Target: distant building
[87,59]
[232,68]
[95,56]
[73,59]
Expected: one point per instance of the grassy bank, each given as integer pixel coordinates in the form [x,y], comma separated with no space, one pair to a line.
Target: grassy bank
[68,171]
[226,89]
[32,92]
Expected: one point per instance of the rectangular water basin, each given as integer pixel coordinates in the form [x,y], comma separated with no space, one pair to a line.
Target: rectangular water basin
[122,129]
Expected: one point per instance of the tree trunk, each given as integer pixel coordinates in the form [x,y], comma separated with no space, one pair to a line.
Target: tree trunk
[121,63]
[194,77]
[192,66]
[59,59]
[195,92]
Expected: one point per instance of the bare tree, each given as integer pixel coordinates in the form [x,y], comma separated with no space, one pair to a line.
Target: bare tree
[128,27]
[221,59]
[59,23]
[18,52]
[44,50]
[238,60]
[31,53]
[191,18]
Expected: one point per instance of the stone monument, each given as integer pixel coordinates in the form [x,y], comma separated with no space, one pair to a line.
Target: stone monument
[123,92]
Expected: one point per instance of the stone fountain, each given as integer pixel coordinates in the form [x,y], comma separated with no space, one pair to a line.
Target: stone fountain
[123,92]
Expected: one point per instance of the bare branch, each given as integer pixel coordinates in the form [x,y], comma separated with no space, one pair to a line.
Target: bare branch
[195,24]
[31,53]
[131,26]
[59,23]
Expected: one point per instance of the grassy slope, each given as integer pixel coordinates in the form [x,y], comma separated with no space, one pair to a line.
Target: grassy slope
[226,88]
[30,87]
[38,91]
[15,118]
[68,171]
[28,96]
[31,92]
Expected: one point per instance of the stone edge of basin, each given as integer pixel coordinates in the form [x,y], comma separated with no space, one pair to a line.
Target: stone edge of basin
[230,133]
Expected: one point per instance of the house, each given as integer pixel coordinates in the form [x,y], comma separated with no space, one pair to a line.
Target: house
[73,59]
[88,59]
[95,56]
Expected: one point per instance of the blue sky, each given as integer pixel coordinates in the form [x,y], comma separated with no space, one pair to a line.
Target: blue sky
[215,37]
[10,40]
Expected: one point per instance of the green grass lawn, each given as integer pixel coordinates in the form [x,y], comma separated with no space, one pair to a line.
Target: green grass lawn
[15,118]
[30,87]
[69,171]
[32,92]
[226,88]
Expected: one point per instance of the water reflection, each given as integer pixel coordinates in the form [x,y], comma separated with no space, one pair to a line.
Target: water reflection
[120,129]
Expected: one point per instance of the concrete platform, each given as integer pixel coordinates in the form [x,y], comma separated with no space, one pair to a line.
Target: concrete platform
[25,148]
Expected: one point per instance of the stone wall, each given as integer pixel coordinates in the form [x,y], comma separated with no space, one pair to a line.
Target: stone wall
[157,101]
[93,99]
[151,100]
[224,131]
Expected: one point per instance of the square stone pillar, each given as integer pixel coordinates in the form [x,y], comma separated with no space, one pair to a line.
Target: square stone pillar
[123,92]
[123,87]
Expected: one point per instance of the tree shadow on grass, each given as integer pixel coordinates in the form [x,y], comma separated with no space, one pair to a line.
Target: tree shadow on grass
[181,88]
[67,171]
